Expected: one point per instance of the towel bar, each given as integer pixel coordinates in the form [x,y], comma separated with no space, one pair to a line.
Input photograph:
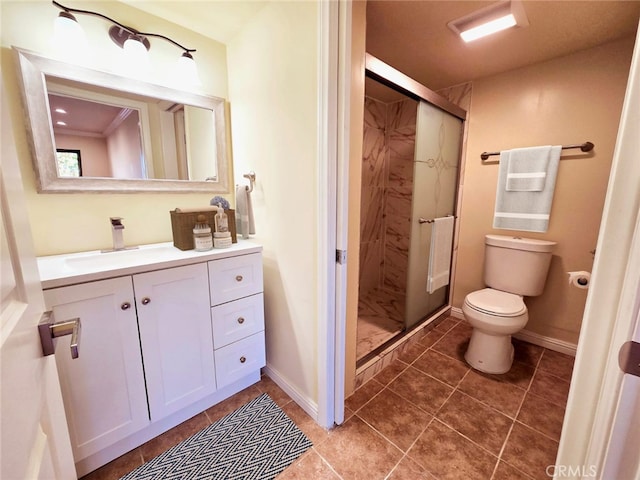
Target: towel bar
[422,220]
[585,147]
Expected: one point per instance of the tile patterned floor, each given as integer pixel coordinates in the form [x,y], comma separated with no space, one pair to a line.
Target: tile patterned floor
[428,416]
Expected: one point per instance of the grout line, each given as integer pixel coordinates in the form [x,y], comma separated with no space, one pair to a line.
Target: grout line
[324,460]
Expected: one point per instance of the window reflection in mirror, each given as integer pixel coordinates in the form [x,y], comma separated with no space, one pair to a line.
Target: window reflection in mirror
[68,163]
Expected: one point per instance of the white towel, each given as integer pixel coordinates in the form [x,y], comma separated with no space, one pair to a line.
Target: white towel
[245,224]
[527,169]
[525,210]
[440,253]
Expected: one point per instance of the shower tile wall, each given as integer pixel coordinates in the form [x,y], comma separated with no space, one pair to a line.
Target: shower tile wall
[401,139]
[373,163]
[387,182]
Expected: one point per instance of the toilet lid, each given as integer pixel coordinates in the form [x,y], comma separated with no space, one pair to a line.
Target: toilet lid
[495,302]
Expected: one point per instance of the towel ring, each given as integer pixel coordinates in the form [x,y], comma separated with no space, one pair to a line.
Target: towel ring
[252,180]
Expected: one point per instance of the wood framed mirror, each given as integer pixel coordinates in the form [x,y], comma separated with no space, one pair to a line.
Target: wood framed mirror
[132,136]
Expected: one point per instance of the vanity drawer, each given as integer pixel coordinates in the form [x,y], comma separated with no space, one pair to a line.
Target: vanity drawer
[236,320]
[239,359]
[235,277]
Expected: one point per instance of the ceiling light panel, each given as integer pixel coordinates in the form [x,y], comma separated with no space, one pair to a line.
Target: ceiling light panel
[489,20]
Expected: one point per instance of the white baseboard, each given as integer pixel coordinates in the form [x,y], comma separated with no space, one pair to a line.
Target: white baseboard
[534,338]
[547,342]
[307,404]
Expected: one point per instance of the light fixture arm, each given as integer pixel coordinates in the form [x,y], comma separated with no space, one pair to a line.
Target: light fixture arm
[131,30]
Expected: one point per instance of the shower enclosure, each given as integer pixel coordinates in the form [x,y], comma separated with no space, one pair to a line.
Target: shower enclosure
[411,156]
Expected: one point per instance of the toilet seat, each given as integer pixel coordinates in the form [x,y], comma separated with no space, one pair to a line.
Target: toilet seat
[496,303]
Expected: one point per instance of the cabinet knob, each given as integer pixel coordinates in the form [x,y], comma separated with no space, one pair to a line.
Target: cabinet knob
[240,320]
[146,301]
[243,359]
[238,278]
[125,306]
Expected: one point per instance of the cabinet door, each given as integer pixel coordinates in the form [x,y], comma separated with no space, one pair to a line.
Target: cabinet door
[175,333]
[103,389]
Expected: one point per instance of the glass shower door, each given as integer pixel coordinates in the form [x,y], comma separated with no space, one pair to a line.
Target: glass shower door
[435,179]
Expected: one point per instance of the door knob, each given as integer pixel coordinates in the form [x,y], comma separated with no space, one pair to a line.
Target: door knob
[50,329]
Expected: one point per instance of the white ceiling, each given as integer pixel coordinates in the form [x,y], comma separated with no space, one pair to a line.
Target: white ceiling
[413,36]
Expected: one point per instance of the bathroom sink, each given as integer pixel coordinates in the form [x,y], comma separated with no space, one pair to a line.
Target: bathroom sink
[68,269]
[123,258]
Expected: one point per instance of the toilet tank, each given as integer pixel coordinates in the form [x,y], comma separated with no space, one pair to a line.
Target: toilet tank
[517,265]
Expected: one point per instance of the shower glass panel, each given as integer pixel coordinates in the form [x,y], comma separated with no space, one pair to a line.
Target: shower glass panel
[411,151]
[435,180]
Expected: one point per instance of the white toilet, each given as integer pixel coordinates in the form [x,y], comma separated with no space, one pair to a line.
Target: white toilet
[513,267]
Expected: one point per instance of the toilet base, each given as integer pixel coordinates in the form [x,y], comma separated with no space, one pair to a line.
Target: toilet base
[489,353]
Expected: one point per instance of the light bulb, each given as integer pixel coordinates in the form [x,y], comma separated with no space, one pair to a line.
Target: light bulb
[68,37]
[136,56]
[188,70]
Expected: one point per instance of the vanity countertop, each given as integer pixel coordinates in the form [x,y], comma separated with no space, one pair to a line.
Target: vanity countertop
[73,268]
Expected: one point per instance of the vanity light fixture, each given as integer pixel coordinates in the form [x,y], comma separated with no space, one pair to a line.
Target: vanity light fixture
[134,42]
[491,19]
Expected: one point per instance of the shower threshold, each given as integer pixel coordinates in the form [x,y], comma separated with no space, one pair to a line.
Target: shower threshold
[381,356]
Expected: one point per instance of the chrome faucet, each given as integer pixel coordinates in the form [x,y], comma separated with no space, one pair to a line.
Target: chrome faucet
[116,232]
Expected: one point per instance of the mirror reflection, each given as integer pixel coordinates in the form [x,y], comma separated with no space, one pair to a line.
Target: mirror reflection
[95,131]
[107,137]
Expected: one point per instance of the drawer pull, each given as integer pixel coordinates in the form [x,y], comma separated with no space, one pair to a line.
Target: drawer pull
[125,306]
[238,278]
[240,320]
[243,359]
[146,301]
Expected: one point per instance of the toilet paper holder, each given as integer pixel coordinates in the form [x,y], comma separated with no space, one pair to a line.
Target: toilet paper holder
[579,279]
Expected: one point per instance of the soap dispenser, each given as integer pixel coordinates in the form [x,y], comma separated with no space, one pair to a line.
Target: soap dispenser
[221,236]
[202,240]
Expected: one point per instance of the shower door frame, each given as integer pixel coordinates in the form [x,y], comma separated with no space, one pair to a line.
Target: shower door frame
[381,72]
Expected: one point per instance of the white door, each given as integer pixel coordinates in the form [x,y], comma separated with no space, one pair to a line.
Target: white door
[34,438]
[600,431]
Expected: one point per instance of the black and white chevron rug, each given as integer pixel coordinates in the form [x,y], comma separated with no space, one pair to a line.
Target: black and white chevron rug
[257,441]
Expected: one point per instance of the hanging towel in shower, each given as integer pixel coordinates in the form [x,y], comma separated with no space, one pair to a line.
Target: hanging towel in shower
[527,169]
[245,224]
[440,253]
[525,210]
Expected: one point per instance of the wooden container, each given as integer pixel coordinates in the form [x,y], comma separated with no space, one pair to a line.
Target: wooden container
[183,221]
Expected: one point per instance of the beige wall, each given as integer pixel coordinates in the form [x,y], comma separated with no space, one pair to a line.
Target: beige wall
[273,71]
[572,99]
[75,222]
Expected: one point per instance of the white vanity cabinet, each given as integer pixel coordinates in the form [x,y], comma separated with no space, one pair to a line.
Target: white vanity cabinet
[160,341]
[103,389]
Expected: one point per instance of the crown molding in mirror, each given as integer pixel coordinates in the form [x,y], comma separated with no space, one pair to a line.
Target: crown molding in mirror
[33,70]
